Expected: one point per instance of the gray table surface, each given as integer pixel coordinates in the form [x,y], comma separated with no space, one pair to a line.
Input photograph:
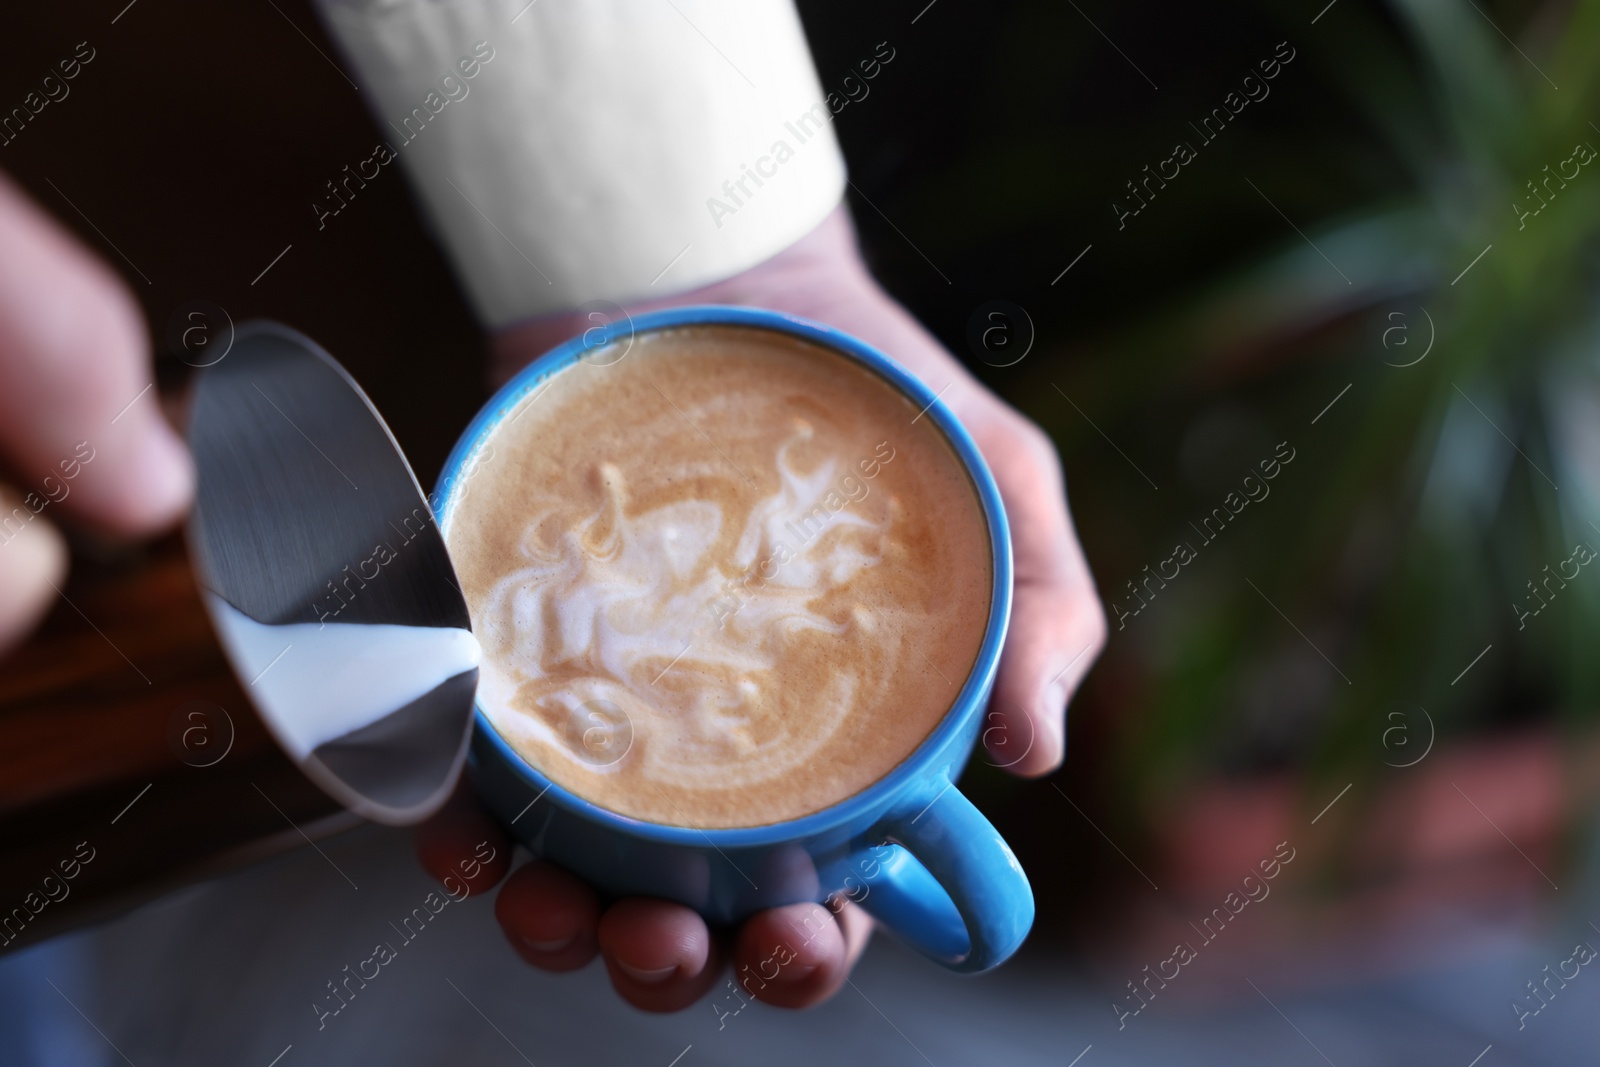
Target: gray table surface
[226,973]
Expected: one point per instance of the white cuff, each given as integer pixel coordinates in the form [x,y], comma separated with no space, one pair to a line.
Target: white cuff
[609,149]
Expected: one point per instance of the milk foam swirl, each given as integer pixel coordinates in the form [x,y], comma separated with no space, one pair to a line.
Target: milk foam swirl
[621,608]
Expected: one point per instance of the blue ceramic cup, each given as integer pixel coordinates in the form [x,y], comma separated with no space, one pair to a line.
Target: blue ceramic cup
[910,849]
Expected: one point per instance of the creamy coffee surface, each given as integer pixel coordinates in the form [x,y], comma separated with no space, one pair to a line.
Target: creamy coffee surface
[728,580]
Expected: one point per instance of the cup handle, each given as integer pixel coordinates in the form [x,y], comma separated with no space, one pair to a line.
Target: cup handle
[953,889]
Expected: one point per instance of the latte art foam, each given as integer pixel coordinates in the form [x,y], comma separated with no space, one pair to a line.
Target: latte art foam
[724,582]
[640,601]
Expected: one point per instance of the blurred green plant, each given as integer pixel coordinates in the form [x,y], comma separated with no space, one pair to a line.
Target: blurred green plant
[1406,541]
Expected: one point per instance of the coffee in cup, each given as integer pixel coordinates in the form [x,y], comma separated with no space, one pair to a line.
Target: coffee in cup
[723,577]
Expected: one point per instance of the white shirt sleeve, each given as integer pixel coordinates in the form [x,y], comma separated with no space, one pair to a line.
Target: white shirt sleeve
[608,149]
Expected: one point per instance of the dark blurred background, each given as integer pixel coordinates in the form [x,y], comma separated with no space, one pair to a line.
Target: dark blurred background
[1358,271]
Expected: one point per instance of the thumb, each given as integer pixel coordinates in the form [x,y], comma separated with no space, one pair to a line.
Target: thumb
[1057,624]
[79,418]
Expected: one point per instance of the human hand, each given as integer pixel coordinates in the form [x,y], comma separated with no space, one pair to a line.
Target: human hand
[660,955]
[75,428]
